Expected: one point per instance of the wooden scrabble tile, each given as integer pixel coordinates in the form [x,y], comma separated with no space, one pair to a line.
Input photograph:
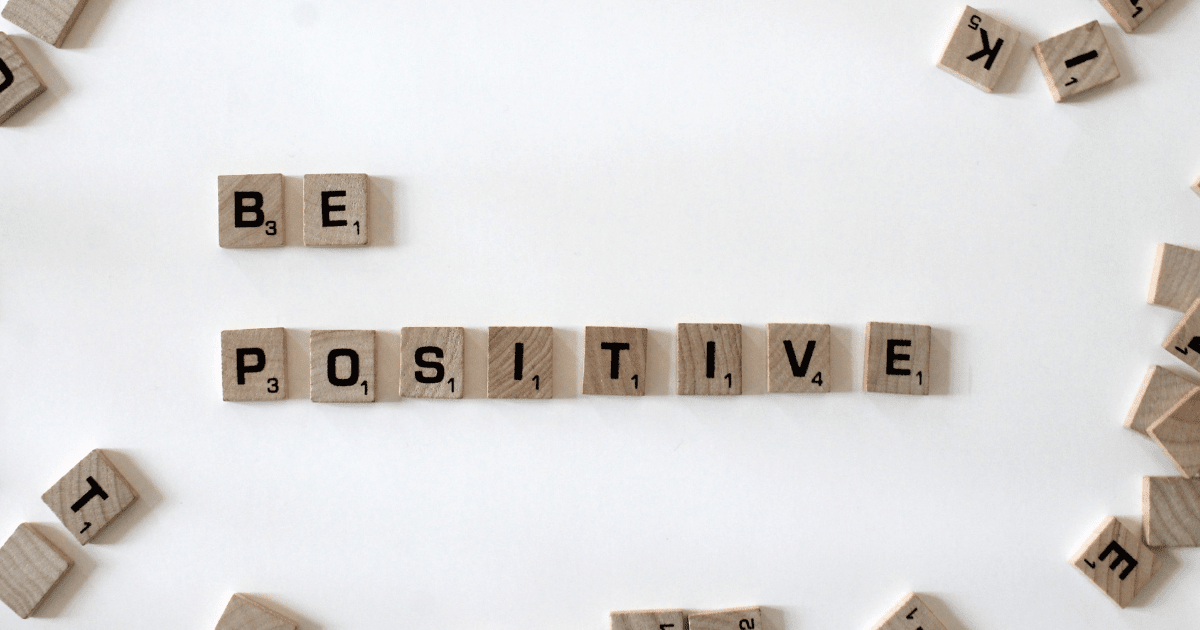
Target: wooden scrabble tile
[708,360]
[48,20]
[342,366]
[243,613]
[648,620]
[335,210]
[520,362]
[614,361]
[910,614]
[1076,61]
[431,362]
[19,84]
[30,567]
[254,364]
[1177,432]
[897,358]
[979,49]
[1117,561]
[250,210]
[731,619]
[1195,185]
[1161,390]
[1175,282]
[1171,511]
[1131,13]
[1184,340]
[798,358]
[90,497]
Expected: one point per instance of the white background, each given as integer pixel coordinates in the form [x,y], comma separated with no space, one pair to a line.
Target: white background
[636,163]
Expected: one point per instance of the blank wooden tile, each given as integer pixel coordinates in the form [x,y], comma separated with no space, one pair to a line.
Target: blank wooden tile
[798,358]
[897,358]
[1171,511]
[1177,432]
[1131,13]
[520,362]
[243,613]
[648,620]
[708,360]
[979,49]
[250,210]
[614,361]
[1184,340]
[90,497]
[48,20]
[910,614]
[1076,61]
[1161,390]
[1175,282]
[19,84]
[1117,561]
[30,567]
[335,210]
[342,366]
[254,364]
[431,362]
[731,619]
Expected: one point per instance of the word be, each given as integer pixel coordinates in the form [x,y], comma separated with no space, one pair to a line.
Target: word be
[250,210]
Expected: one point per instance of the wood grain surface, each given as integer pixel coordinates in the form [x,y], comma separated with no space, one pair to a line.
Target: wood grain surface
[245,382]
[431,362]
[1122,569]
[1131,13]
[1184,340]
[979,49]
[1076,61]
[1171,511]
[337,219]
[708,360]
[342,366]
[520,362]
[261,198]
[614,361]
[48,20]
[243,613]
[729,619]
[1177,432]
[30,567]
[1175,281]
[19,83]
[897,358]
[648,620]
[910,614]
[798,358]
[1160,390]
[90,497]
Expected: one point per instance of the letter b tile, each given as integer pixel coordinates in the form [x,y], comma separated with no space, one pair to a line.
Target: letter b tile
[90,497]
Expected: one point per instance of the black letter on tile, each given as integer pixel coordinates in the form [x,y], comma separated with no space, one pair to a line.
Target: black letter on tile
[326,208]
[97,491]
[802,368]
[614,366]
[439,370]
[260,362]
[893,356]
[331,367]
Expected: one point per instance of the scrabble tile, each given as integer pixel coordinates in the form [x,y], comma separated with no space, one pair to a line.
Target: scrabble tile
[19,84]
[30,567]
[1175,282]
[979,49]
[1076,61]
[1117,561]
[1171,511]
[431,362]
[243,613]
[648,620]
[1177,432]
[910,614]
[1184,340]
[731,619]
[1131,13]
[520,362]
[708,360]
[250,210]
[1196,186]
[254,364]
[335,210]
[798,358]
[48,20]
[614,361]
[342,366]
[897,358]
[90,497]
[1161,390]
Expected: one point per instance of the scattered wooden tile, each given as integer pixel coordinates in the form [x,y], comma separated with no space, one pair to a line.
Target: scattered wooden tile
[1195,185]
[30,567]
[897,358]
[1177,432]
[250,210]
[979,49]
[254,364]
[1076,61]
[910,614]
[1117,561]
[614,361]
[1175,282]
[731,619]
[342,366]
[708,360]
[1161,390]
[520,362]
[648,620]
[1171,511]
[1184,340]
[243,613]
[431,362]
[1131,13]
[798,358]
[335,210]
[90,497]
[48,20]
[19,84]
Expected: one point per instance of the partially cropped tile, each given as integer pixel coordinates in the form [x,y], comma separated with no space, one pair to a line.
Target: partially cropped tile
[708,360]
[90,497]
[48,20]
[1196,186]
[342,366]
[614,361]
[19,84]
[1177,432]
[980,49]
[731,619]
[1175,282]
[910,614]
[250,210]
[520,362]
[335,210]
[243,613]
[30,567]
[254,364]
[648,620]
[1076,61]
[1116,560]
[1184,340]
[1161,390]
[1171,511]
[798,358]
[1131,13]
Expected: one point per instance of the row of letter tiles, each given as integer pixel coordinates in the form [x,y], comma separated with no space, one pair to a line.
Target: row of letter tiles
[521,361]
[909,614]
[19,84]
[250,210]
